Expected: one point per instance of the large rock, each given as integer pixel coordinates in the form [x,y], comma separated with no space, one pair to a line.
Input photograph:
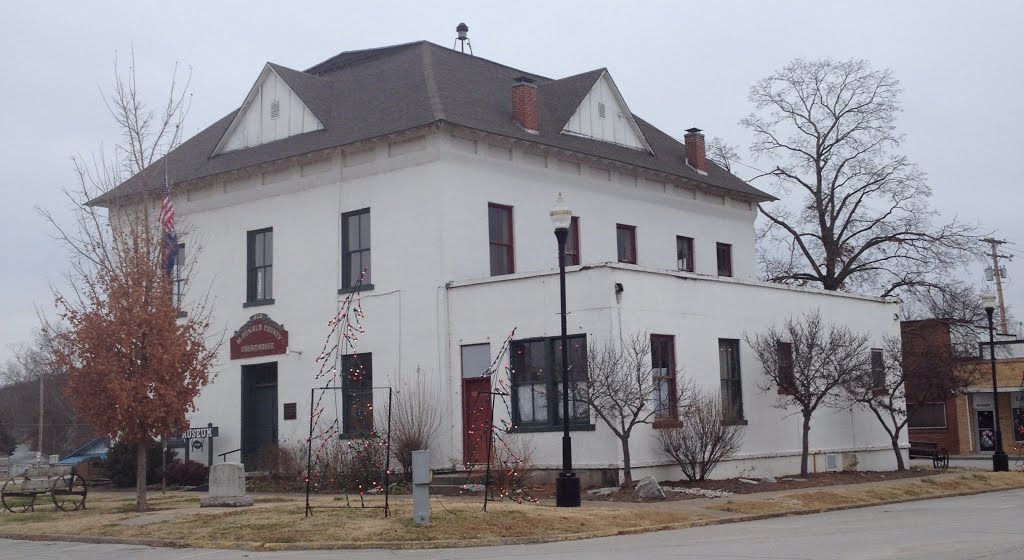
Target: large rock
[227,486]
[649,488]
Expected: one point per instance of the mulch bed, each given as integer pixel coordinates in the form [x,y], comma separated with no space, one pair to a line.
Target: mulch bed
[737,486]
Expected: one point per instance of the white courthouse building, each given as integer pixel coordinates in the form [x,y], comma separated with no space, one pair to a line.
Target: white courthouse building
[436,171]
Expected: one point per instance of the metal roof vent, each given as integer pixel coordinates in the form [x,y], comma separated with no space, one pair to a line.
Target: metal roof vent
[275,109]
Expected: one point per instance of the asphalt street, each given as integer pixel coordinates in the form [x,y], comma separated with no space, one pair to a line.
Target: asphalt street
[986,526]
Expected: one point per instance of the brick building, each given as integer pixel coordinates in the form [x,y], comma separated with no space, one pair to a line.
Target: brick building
[964,423]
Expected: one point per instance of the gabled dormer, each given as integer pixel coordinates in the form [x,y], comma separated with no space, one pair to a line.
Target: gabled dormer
[603,115]
[271,111]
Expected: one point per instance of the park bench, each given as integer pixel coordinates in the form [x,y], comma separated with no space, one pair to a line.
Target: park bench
[66,488]
[930,450]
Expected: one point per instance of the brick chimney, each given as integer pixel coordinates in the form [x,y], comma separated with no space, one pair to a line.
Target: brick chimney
[525,107]
[696,157]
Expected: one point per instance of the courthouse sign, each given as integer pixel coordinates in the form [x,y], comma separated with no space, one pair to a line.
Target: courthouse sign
[259,336]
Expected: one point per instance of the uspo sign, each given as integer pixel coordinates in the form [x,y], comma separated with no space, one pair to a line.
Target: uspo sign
[259,336]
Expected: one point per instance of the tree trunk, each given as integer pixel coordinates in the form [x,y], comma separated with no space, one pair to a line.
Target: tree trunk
[899,455]
[806,447]
[140,476]
[627,472]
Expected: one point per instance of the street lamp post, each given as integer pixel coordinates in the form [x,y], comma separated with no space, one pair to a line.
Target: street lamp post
[567,486]
[1000,462]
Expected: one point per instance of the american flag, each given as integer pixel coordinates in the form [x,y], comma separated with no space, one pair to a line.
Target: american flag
[167,221]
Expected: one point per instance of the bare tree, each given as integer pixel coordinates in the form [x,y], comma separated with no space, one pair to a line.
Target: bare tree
[809,363]
[416,420]
[701,440]
[134,365]
[722,153]
[33,370]
[954,301]
[862,220]
[917,368]
[622,390]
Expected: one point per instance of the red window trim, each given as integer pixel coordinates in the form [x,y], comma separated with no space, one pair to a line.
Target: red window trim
[511,245]
[573,258]
[632,231]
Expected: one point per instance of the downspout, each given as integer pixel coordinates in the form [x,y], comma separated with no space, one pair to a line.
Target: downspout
[970,430]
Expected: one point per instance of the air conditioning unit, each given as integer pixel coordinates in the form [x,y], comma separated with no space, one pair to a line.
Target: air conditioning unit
[833,462]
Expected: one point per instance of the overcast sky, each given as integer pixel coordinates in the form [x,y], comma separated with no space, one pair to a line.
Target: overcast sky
[678,64]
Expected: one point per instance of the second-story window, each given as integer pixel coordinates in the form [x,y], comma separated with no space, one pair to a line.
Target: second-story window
[355,248]
[684,253]
[178,279]
[724,259]
[499,223]
[625,238]
[572,243]
[260,278]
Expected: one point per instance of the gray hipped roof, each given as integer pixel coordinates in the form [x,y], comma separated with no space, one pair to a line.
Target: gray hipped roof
[366,94]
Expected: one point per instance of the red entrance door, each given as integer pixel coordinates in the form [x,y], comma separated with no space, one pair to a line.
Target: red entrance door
[476,419]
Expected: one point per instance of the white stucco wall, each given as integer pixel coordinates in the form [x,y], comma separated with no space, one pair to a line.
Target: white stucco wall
[697,312]
[428,197]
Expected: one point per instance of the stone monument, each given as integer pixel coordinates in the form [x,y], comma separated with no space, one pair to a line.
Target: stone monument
[227,486]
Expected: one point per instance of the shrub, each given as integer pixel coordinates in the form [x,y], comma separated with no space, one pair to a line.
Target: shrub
[119,465]
[187,473]
[285,462]
[415,421]
[512,467]
[702,440]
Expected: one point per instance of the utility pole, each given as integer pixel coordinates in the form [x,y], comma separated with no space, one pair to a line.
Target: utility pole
[39,450]
[998,277]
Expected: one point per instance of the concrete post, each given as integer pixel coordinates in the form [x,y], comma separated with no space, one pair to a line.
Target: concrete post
[421,488]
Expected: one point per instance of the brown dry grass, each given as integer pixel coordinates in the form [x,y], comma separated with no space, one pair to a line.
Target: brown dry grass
[271,523]
[277,522]
[929,487]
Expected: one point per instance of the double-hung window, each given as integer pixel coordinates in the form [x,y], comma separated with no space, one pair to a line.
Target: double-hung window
[178,279]
[930,415]
[625,239]
[732,386]
[724,251]
[684,253]
[260,277]
[877,369]
[663,369]
[357,394]
[502,245]
[355,249]
[537,381]
[784,357]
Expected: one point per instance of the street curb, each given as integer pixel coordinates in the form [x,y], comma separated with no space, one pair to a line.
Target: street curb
[425,545]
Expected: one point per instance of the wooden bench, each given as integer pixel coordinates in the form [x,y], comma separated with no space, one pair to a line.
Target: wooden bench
[930,450]
[66,488]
